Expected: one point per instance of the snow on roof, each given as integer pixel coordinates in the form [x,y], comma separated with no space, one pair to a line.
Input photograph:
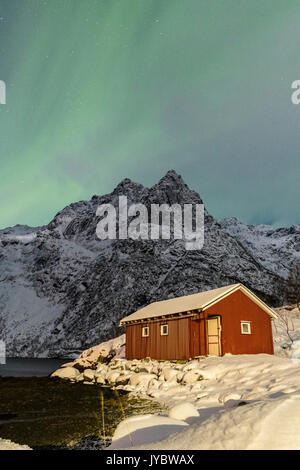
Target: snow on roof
[197,301]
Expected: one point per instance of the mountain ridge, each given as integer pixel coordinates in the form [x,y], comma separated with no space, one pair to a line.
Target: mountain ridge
[63,290]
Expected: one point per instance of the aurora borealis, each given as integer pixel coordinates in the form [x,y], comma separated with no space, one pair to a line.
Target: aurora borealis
[100,90]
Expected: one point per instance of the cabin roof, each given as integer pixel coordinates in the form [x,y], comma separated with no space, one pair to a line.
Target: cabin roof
[187,303]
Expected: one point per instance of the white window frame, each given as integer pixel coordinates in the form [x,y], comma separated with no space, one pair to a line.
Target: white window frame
[248,323]
[162,329]
[144,335]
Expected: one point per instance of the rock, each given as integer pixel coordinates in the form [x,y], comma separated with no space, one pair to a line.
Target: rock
[102,352]
[112,376]
[183,411]
[89,375]
[118,363]
[123,379]
[144,368]
[80,377]
[128,388]
[191,377]
[179,376]
[137,379]
[141,387]
[169,374]
[6,444]
[68,364]
[154,383]
[190,366]
[68,373]
[102,368]
[99,378]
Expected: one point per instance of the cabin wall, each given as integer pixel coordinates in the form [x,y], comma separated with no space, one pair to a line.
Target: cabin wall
[238,307]
[175,345]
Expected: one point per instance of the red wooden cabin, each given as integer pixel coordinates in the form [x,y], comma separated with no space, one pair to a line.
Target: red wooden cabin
[230,319]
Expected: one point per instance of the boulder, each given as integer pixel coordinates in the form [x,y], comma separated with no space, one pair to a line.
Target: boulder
[123,379]
[169,374]
[191,377]
[137,379]
[102,368]
[101,353]
[80,378]
[67,373]
[88,375]
[99,378]
[154,383]
[144,368]
[112,376]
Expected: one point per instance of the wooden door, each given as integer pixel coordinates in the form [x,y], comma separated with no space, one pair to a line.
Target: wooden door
[195,338]
[213,328]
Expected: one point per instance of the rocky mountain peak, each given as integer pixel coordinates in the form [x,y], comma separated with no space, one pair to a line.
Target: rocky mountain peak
[172,178]
[127,187]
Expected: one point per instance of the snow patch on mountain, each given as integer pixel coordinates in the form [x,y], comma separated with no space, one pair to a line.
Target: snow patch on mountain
[275,248]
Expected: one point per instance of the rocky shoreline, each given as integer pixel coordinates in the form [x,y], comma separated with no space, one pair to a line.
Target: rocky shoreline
[105,365]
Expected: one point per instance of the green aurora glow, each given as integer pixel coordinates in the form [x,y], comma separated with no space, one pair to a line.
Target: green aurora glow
[100,90]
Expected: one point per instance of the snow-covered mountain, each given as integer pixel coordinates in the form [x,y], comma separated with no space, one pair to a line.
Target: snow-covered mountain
[275,248]
[63,290]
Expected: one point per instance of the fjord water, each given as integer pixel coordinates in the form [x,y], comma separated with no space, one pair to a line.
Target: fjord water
[50,413]
[24,367]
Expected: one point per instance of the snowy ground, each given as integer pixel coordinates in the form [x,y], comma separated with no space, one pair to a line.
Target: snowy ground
[229,402]
[244,402]
[239,400]
[5,444]
[270,423]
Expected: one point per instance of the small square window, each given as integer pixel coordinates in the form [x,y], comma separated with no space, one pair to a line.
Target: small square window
[164,330]
[246,327]
[145,331]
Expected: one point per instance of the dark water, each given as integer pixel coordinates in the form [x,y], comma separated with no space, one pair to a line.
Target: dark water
[51,413]
[16,367]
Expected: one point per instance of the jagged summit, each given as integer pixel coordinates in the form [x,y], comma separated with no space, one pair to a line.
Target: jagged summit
[127,186]
[172,178]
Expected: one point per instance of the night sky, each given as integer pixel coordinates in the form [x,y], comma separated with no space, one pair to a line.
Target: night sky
[100,90]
